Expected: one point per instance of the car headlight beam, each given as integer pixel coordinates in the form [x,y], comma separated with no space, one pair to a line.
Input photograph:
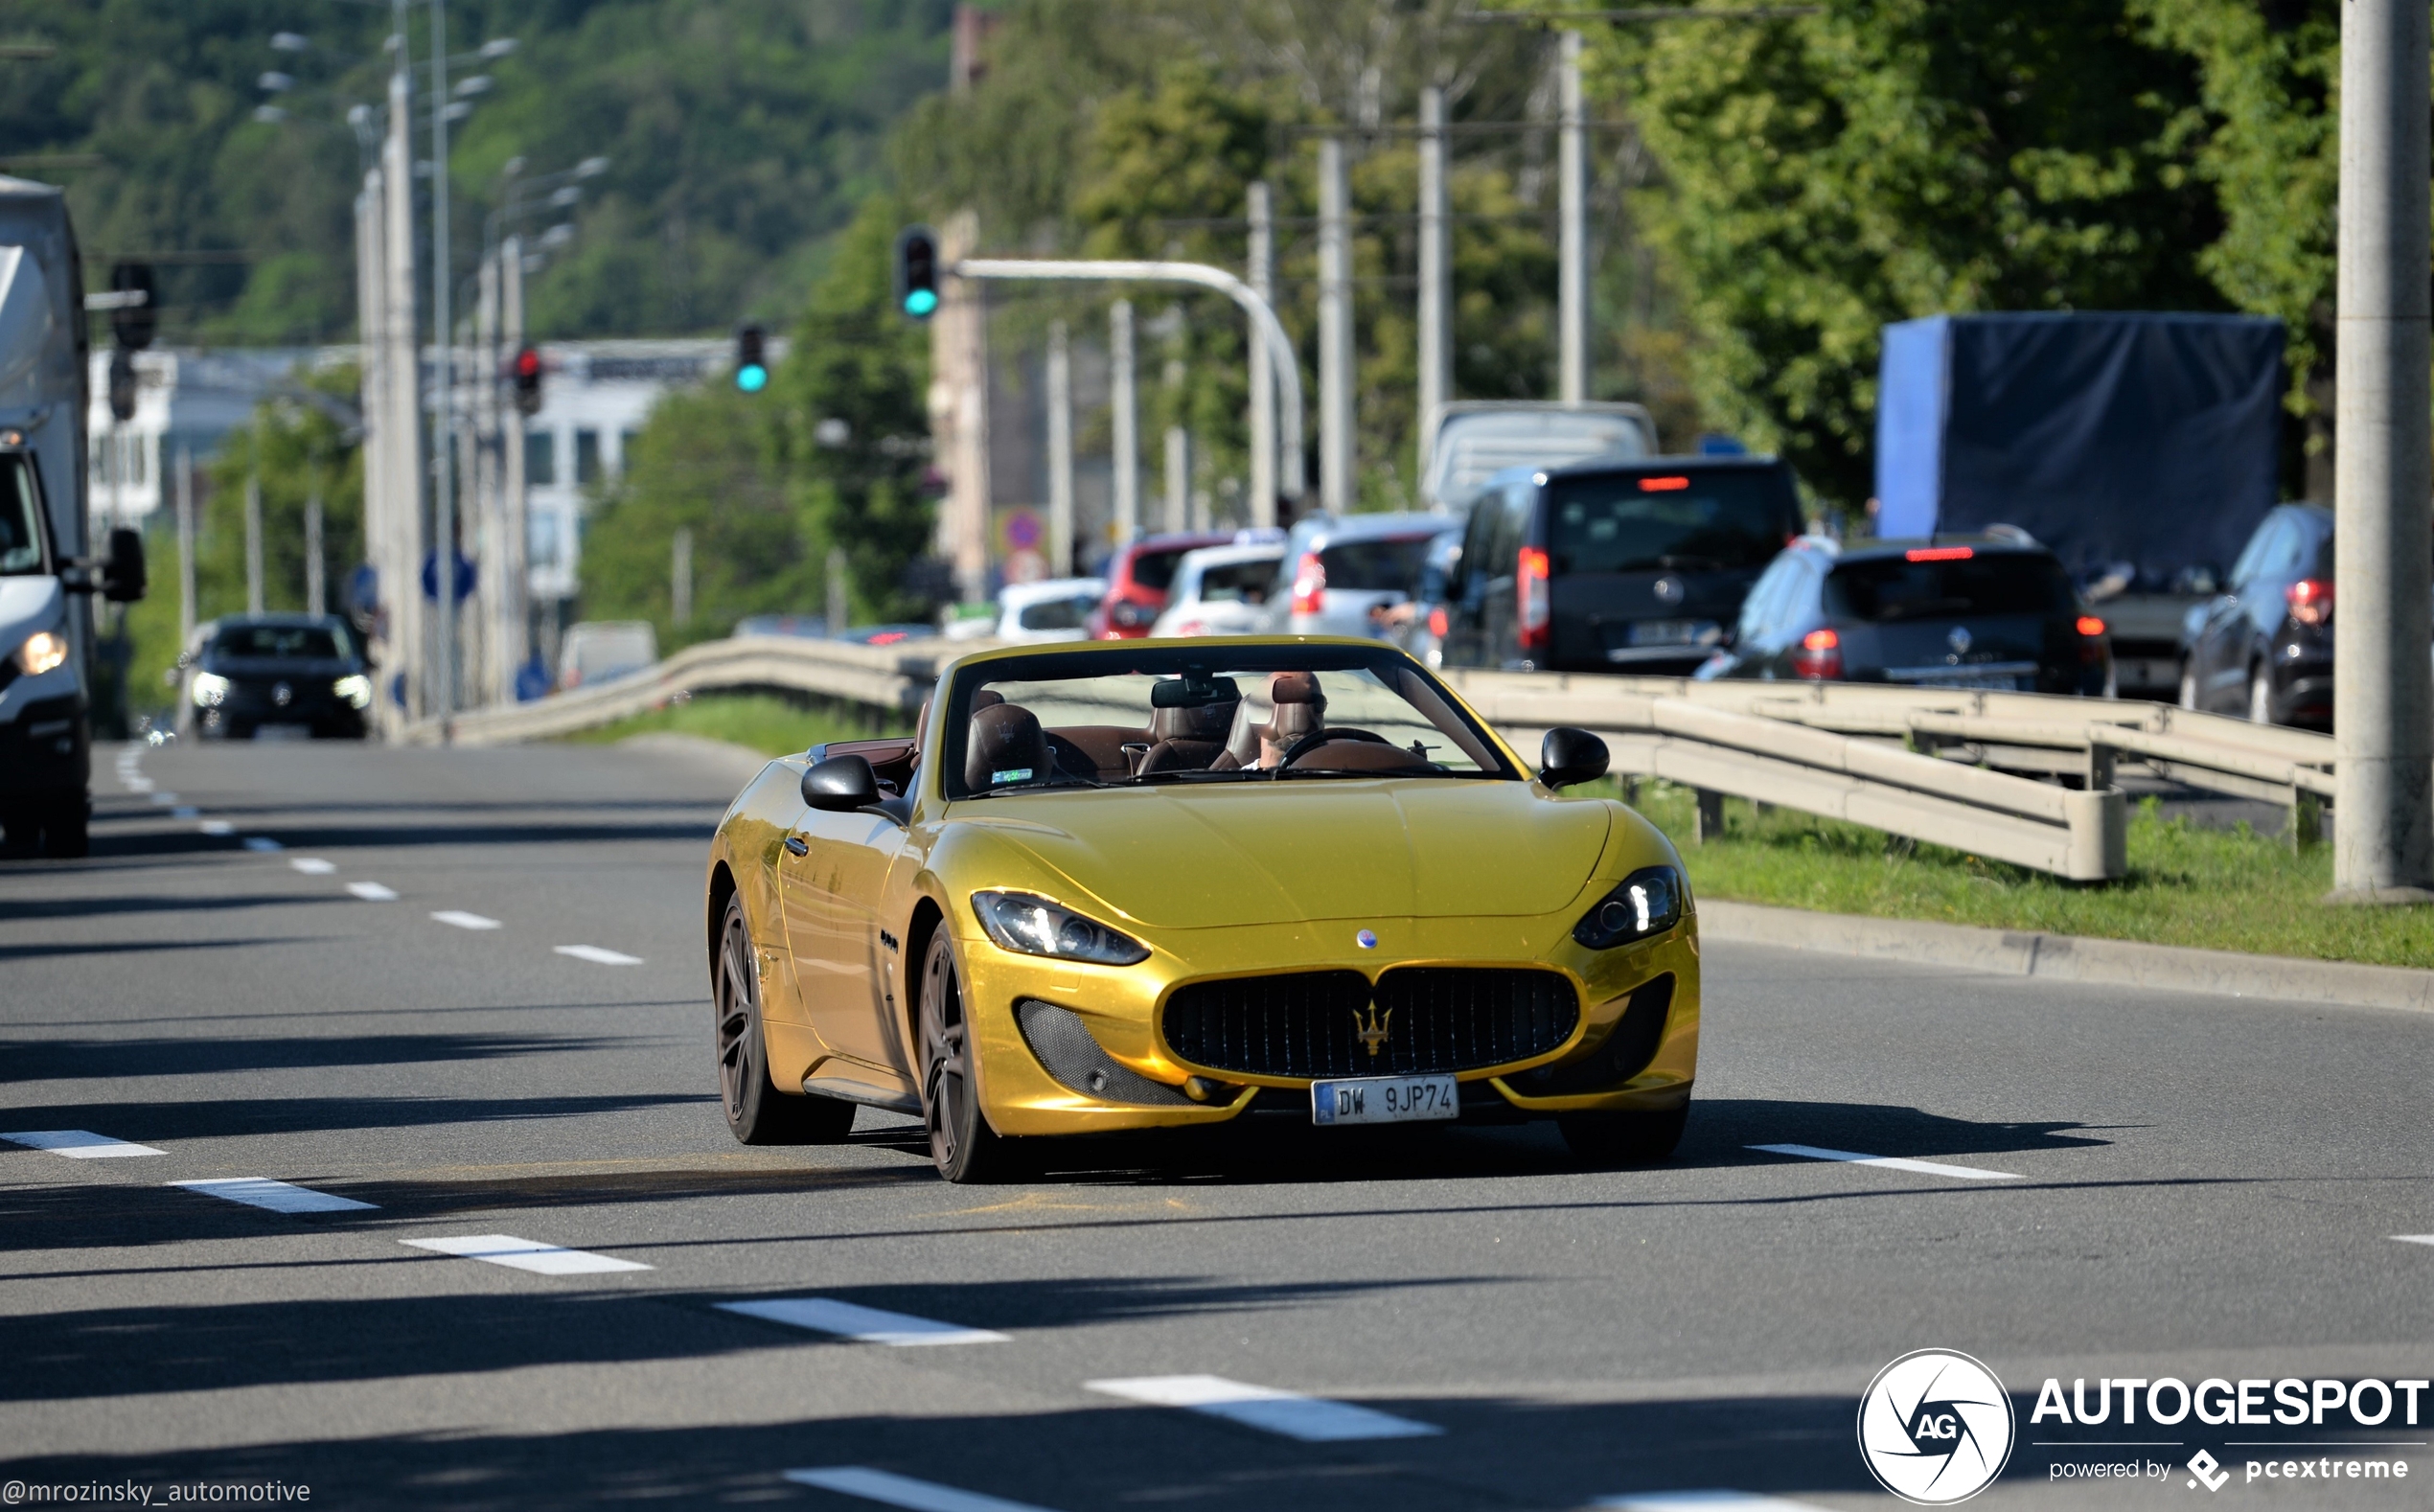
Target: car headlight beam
[354,687]
[1646,904]
[209,690]
[41,652]
[1033,925]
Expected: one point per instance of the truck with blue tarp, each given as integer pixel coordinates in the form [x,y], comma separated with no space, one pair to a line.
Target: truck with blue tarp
[2142,449]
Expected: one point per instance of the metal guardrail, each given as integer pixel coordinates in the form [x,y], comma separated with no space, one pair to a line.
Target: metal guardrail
[1879,756]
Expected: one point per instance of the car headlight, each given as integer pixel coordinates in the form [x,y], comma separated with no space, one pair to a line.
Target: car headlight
[43,650]
[1033,925]
[208,690]
[354,687]
[1647,903]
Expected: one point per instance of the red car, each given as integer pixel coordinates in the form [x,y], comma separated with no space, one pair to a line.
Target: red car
[1137,578]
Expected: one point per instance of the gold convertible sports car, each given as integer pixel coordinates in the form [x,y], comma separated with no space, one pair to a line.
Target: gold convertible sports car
[1148,883]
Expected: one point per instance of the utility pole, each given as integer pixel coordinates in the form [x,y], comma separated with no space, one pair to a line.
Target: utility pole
[1124,419]
[488,517]
[444,374]
[316,587]
[1571,173]
[1335,331]
[840,603]
[1262,279]
[1060,561]
[1178,441]
[1437,274]
[369,287]
[514,582]
[2383,818]
[253,528]
[960,412]
[400,566]
[185,549]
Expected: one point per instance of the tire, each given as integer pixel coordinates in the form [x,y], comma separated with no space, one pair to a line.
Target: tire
[966,1150]
[2261,695]
[756,1112]
[1605,1140]
[2188,684]
[67,832]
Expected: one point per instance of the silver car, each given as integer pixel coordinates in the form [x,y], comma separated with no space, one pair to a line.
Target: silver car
[1340,573]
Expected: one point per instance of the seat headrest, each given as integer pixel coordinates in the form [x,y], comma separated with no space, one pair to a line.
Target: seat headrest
[986,699]
[1207,722]
[1005,748]
[1295,687]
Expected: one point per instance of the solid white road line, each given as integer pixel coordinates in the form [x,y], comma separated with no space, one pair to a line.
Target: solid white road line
[279,1197]
[1965,1173]
[263,844]
[1717,1500]
[2415,1238]
[373,892]
[216,827]
[593,953]
[902,1491]
[867,1326]
[463,920]
[1312,1419]
[525,1254]
[312,865]
[78,1144]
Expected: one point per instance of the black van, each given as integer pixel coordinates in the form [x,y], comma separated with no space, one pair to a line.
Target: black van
[1605,566]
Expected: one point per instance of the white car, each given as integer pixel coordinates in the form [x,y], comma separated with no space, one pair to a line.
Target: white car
[1220,590]
[1056,610]
[601,650]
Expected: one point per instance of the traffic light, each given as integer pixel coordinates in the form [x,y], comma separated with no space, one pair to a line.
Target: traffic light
[524,370]
[917,272]
[132,324]
[121,385]
[751,363]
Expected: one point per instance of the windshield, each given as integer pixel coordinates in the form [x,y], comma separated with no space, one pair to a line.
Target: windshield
[1895,588]
[278,643]
[1094,719]
[1389,566]
[1689,521]
[20,519]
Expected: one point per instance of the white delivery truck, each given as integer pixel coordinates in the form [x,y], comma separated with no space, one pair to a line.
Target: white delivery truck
[48,570]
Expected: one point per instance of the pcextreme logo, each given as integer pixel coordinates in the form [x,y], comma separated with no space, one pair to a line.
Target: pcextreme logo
[1936,1428]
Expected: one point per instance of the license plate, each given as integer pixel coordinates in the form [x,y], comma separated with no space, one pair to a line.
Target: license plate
[283,732]
[1385,1100]
[1986,684]
[1664,633]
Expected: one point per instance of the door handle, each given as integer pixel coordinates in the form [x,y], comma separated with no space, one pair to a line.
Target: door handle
[795,844]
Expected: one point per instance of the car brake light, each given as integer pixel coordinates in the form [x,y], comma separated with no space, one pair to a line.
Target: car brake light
[1820,658]
[1310,584]
[2311,600]
[2091,626]
[1532,611]
[1672,485]
[1941,554]
[1438,624]
[2092,651]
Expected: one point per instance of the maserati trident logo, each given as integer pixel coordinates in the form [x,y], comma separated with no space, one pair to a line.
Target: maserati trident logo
[1936,1428]
[1371,1026]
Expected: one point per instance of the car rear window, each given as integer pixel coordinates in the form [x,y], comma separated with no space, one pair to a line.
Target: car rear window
[278,642]
[1156,569]
[1055,614]
[2002,583]
[1392,564]
[1238,582]
[1684,521]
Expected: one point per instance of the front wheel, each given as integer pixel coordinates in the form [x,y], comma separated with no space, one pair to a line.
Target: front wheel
[757,1112]
[1612,1139]
[966,1150]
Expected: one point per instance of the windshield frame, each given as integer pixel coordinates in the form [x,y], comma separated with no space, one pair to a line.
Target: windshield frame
[951,718]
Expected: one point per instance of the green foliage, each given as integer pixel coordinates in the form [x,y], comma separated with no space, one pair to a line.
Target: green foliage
[1886,159]
[759,722]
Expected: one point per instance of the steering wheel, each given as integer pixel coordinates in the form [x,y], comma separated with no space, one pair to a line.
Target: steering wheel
[1320,736]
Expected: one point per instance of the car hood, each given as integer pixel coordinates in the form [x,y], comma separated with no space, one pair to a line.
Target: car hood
[26,605]
[1206,856]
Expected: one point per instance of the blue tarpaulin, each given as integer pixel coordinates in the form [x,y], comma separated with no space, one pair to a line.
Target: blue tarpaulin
[2147,439]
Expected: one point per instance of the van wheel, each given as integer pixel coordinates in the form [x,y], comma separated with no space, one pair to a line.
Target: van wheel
[67,832]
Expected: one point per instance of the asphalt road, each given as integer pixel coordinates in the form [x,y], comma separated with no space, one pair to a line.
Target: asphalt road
[2190,1186]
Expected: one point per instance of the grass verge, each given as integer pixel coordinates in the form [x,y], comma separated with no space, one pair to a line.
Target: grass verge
[2224,891]
[760,721]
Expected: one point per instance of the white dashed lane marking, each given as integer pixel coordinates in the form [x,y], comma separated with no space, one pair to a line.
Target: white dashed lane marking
[2415,1238]
[598,956]
[525,1254]
[312,865]
[902,1491]
[216,827]
[263,844]
[867,1326]
[463,920]
[1312,1419]
[78,1144]
[1717,1500]
[279,1197]
[1965,1173]
[373,892]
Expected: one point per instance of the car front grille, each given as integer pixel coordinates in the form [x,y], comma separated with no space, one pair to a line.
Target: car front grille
[1417,1021]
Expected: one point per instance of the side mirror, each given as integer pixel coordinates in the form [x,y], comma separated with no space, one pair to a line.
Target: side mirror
[123,575]
[1571,756]
[841,785]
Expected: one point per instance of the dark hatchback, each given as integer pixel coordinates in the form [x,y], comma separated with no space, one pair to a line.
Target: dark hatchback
[2262,648]
[299,673]
[1611,567]
[1977,612]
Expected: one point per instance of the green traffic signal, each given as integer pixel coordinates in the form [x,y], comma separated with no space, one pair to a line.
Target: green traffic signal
[917,272]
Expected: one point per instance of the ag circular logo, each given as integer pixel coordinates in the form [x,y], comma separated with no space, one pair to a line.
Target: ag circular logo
[1936,1428]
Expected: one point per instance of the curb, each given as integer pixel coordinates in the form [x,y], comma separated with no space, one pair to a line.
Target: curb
[2073,958]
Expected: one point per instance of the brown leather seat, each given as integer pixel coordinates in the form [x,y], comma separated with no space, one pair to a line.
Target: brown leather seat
[1005,748]
[1188,740]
